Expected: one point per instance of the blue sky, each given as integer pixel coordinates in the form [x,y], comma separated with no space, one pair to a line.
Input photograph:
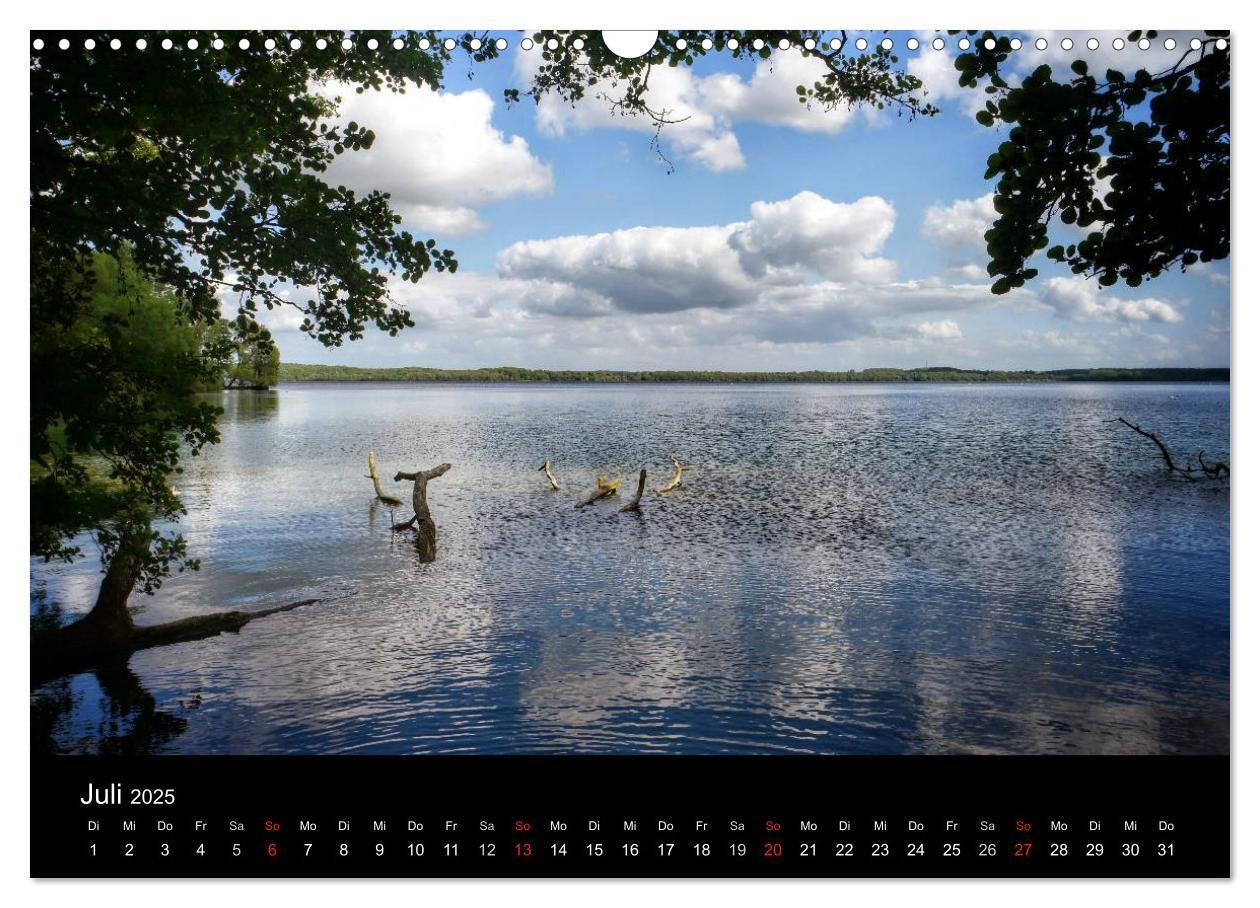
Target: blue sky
[784,238]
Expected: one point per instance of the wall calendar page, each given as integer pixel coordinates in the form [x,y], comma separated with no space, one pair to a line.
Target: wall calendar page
[553,453]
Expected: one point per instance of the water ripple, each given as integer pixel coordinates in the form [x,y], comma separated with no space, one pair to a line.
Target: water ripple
[869,569]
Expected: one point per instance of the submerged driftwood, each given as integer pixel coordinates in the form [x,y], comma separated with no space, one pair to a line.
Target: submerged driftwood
[676,481]
[546,468]
[604,488]
[633,503]
[376,483]
[1217,470]
[422,520]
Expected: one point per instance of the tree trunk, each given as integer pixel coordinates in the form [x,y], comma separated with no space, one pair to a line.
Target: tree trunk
[422,520]
[109,617]
[89,642]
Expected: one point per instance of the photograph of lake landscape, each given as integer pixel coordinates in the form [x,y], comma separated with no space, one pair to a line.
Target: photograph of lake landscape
[812,392]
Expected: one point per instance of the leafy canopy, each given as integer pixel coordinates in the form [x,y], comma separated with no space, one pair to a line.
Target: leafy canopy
[242,359]
[1140,164]
[574,63]
[209,163]
[161,179]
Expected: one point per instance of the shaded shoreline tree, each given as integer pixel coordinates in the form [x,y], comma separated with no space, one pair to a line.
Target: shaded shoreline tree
[248,358]
[112,403]
[201,171]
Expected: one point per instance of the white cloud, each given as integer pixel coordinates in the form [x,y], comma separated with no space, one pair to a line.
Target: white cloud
[644,269]
[669,269]
[935,69]
[701,110]
[827,312]
[944,330]
[437,153]
[1218,322]
[770,96]
[808,233]
[802,273]
[1082,300]
[693,130]
[477,311]
[440,219]
[959,227]
[1134,331]
[1214,273]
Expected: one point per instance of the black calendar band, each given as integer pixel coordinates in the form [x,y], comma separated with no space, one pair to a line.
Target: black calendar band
[643,816]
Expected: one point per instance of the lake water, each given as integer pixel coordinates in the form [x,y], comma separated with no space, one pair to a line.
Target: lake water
[845,569]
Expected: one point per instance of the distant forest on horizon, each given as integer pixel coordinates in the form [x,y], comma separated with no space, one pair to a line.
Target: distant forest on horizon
[293,372]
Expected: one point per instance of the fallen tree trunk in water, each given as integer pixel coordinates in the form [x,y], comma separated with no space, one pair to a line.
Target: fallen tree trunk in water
[1216,470]
[546,468]
[633,504]
[604,488]
[89,642]
[422,520]
[376,483]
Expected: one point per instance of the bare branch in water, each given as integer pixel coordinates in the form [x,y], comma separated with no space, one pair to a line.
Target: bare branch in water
[551,478]
[604,488]
[633,504]
[1216,470]
[376,483]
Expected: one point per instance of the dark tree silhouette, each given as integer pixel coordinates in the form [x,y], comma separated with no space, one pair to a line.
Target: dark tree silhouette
[1139,163]
[577,62]
[200,170]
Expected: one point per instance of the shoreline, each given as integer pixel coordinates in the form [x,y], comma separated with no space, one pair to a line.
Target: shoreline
[299,373]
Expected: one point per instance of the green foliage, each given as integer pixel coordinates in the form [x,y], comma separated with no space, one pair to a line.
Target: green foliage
[257,367]
[201,172]
[210,162]
[113,373]
[304,372]
[1140,164]
[873,78]
[243,353]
